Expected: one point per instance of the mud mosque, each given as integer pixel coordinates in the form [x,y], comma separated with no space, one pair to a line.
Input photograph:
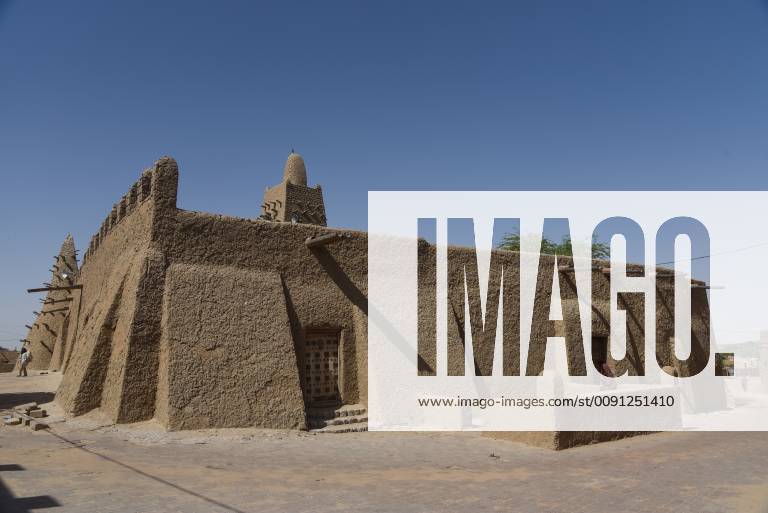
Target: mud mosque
[201,320]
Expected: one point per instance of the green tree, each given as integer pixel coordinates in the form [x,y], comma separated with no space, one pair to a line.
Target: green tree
[511,242]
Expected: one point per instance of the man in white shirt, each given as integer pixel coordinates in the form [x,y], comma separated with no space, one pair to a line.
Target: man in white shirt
[24,358]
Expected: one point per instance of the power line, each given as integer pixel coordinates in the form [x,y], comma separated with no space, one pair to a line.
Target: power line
[745,248]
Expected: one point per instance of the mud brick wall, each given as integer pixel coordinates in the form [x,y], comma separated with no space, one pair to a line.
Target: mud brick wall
[199,319]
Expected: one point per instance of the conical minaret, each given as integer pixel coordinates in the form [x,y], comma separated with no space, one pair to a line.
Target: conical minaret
[48,329]
[292,200]
[65,268]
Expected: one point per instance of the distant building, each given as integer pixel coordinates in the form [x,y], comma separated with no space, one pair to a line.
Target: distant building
[8,358]
[49,330]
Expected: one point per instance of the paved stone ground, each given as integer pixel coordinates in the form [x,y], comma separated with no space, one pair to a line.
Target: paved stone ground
[86,466]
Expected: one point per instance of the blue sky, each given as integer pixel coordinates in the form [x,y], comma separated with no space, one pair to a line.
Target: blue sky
[387,95]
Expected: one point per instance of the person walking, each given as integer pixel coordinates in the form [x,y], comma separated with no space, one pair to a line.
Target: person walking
[24,358]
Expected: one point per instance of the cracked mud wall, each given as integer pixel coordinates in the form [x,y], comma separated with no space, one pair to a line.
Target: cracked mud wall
[60,347]
[111,354]
[228,351]
[461,259]
[73,323]
[138,370]
[114,358]
[110,282]
[91,384]
[199,319]
[131,379]
[360,319]
[324,289]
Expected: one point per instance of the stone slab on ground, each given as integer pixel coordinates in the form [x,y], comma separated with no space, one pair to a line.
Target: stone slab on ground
[25,408]
[37,426]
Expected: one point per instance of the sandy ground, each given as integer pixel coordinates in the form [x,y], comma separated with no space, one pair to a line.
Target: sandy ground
[87,465]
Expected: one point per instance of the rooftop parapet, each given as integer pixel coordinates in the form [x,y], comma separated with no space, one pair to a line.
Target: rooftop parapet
[157,184]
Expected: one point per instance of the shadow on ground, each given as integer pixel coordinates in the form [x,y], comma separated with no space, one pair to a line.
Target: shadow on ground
[11,504]
[8,401]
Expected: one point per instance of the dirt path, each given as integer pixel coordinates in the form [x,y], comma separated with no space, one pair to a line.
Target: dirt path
[86,465]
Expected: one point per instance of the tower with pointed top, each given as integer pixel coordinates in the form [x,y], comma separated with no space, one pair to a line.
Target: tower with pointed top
[65,267]
[292,200]
[48,329]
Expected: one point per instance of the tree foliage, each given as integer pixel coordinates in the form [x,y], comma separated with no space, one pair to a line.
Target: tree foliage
[511,242]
